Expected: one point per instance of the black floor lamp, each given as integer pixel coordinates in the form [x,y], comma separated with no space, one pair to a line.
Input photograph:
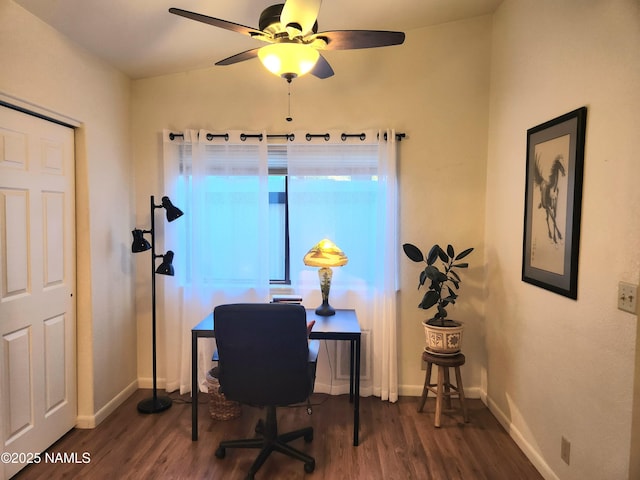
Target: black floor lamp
[155,404]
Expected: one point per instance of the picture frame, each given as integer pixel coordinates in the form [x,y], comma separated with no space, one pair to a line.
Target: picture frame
[553,203]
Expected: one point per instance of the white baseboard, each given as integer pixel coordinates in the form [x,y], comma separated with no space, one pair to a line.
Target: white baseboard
[92,421]
[535,458]
[341,389]
[148,383]
[403,390]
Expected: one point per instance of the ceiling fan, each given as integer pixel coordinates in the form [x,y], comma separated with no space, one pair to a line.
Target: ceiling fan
[291,30]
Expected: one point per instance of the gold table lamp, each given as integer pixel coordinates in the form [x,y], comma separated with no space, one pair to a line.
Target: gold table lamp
[325,254]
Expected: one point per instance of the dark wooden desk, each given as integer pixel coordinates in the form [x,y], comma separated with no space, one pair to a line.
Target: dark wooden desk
[341,326]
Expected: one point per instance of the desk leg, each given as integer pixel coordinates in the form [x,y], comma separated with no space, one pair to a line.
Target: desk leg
[356,386]
[194,386]
[352,357]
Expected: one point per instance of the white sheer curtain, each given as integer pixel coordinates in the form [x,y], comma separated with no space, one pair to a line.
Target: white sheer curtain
[344,188]
[221,184]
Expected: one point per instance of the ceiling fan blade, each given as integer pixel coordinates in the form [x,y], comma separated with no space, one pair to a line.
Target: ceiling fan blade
[322,69]
[353,39]
[303,13]
[239,57]
[216,22]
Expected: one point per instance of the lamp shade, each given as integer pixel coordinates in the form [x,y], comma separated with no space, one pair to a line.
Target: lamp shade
[325,254]
[140,244]
[173,212]
[166,267]
[288,60]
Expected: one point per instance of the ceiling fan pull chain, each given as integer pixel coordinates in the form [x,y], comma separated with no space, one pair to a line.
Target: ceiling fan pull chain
[289,117]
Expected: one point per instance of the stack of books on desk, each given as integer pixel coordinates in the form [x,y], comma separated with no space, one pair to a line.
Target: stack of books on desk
[295,299]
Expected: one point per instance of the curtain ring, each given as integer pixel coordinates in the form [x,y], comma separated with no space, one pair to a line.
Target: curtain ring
[326,136]
[244,136]
[361,136]
[211,136]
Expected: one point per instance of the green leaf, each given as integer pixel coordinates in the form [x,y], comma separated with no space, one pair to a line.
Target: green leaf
[432,272]
[433,254]
[443,256]
[450,251]
[460,265]
[454,276]
[464,253]
[413,252]
[423,277]
[429,300]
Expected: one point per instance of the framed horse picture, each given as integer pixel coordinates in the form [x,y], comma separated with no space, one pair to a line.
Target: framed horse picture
[553,200]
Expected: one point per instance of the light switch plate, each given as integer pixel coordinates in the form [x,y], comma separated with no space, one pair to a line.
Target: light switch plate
[627,293]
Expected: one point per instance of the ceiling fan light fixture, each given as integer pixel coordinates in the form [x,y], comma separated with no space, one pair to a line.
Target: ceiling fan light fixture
[291,28]
[288,60]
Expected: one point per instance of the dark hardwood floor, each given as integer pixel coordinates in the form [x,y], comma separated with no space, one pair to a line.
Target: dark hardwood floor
[396,442]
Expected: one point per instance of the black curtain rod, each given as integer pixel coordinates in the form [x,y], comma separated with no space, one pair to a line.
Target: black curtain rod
[288,136]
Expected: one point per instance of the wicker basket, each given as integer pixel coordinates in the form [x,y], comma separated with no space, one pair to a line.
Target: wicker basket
[219,407]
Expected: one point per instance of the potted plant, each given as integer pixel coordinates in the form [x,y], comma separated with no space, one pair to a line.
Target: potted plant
[443,335]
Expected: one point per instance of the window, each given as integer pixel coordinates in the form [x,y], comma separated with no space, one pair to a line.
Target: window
[278,230]
[354,195]
[256,207]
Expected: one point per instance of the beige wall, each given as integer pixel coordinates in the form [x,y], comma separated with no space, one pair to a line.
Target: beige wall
[434,88]
[559,367]
[41,67]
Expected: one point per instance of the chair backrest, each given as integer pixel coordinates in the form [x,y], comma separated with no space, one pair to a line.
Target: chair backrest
[263,353]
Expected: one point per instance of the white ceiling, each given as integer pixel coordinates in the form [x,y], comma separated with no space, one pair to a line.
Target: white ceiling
[142,39]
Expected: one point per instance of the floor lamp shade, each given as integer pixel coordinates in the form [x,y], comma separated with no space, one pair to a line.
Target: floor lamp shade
[156,403]
[173,212]
[140,244]
[166,267]
[325,254]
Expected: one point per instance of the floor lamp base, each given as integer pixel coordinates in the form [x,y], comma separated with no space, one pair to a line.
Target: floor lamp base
[154,405]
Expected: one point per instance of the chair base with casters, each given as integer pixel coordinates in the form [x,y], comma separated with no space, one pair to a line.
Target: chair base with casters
[270,441]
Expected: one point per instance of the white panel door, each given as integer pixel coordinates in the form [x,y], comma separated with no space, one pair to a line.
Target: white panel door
[38,397]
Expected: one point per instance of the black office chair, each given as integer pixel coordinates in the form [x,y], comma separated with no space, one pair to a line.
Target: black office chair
[265,360]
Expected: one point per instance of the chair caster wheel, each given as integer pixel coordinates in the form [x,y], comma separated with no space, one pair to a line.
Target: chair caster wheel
[220,452]
[309,467]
